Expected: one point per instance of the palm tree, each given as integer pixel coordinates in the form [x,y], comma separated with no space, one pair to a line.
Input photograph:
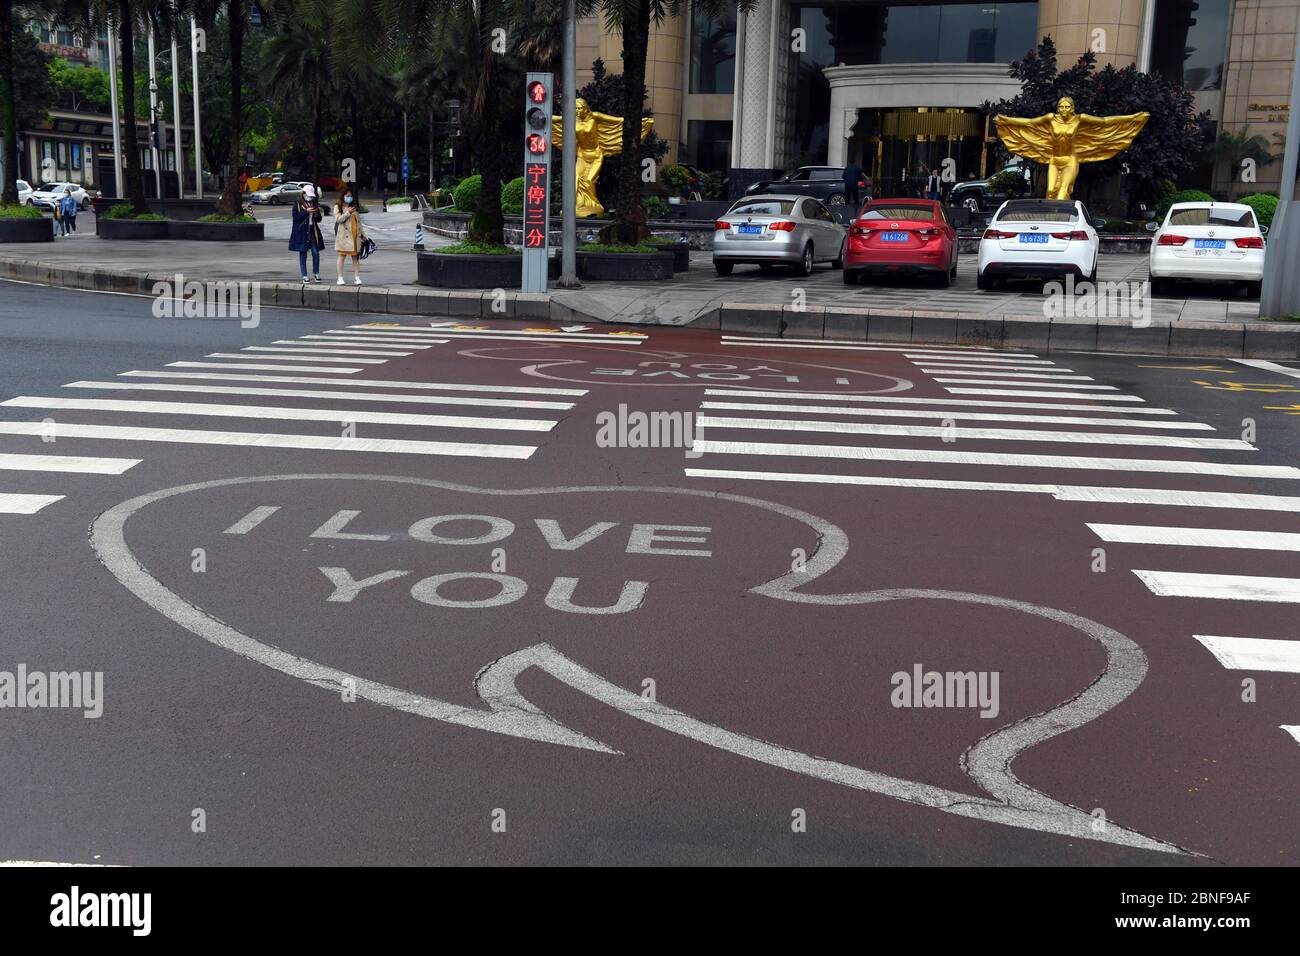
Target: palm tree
[8,106]
[1234,148]
[298,64]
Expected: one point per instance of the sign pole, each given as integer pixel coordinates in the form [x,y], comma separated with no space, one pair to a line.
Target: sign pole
[537,180]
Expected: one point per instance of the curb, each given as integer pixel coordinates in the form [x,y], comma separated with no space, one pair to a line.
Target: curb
[1270,340]
[1278,340]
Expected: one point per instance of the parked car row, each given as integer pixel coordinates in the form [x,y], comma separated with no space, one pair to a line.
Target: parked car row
[44,197]
[1025,239]
[279,195]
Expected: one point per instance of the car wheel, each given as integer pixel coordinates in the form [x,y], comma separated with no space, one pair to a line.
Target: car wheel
[838,261]
[805,266]
[765,267]
[1252,289]
[724,268]
[1157,286]
[835,199]
[850,277]
[984,282]
[971,203]
[944,279]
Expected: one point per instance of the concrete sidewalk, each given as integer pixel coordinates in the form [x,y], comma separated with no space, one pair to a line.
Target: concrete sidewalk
[1209,321]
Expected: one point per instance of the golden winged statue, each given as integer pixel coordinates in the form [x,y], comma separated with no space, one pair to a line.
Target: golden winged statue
[1064,139]
[598,135]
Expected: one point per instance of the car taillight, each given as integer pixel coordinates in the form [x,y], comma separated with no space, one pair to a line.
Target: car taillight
[928,232]
[1076,234]
[995,234]
[1169,239]
[721,224]
[1250,242]
[858,229]
[783,226]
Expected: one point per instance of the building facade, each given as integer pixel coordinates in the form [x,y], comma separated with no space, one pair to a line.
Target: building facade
[894,84]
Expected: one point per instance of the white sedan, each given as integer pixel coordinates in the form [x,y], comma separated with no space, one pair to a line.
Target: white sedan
[1038,238]
[24,192]
[1209,241]
[50,193]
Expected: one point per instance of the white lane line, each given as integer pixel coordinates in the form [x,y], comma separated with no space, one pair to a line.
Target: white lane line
[1253,653]
[321,350]
[1197,537]
[252,367]
[1292,729]
[1011,392]
[1093,494]
[298,358]
[1050,376]
[1222,587]
[958,415]
[903,400]
[16,504]
[282,413]
[193,436]
[489,334]
[996,459]
[992,379]
[362,382]
[333,341]
[516,403]
[975,434]
[1270,367]
[71,464]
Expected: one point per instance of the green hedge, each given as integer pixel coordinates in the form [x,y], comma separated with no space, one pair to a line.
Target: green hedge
[467,194]
[1264,204]
[1183,195]
[512,193]
[20,212]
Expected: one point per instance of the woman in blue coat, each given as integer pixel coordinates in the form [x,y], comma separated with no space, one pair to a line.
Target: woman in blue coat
[68,211]
[305,234]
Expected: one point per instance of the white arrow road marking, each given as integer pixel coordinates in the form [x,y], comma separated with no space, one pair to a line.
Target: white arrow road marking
[1197,537]
[988,763]
[1222,587]
[1253,653]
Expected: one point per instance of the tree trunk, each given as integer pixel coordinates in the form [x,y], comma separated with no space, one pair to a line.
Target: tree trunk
[490,134]
[231,202]
[131,135]
[316,143]
[630,225]
[8,106]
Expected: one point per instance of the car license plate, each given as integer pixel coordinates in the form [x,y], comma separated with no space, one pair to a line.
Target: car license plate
[1032,237]
[893,237]
[750,230]
[1210,243]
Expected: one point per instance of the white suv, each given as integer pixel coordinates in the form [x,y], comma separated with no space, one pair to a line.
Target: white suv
[1212,241]
[1038,238]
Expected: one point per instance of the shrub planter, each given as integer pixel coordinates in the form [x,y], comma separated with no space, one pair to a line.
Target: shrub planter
[130,228]
[27,230]
[681,252]
[624,266]
[216,231]
[452,271]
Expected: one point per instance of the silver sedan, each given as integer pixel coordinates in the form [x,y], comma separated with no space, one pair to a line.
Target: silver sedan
[778,230]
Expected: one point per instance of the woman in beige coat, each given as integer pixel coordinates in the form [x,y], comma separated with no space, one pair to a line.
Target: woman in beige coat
[348,234]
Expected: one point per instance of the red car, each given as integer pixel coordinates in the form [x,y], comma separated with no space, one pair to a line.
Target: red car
[901,237]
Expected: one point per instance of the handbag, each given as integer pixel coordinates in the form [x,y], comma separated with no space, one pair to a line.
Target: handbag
[367,247]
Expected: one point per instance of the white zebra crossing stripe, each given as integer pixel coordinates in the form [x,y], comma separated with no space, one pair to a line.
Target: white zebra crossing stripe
[253,367]
[1093,494]
[1221,587]
[377,342]
[298,358]
[992,379]
[308,350]
[329,341]
[900,347]
[1292,729]
[1197,537]
[1011,392]
[283,413]
[999,459]
[958,415]
[1050,376]
[1019,371]
[498,334]
[1253,653]
[920,358]
[189,436]
[1270,367]
[829,344]
[16,504]
[516,403]
[974,434]
[72,464]
[908,400]
[355,382]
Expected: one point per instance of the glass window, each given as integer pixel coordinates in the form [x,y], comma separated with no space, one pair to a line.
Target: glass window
[895,211]
[1205,216]
[1038,210]
[713,52]
[1189,39]
[770,207]
[709,144]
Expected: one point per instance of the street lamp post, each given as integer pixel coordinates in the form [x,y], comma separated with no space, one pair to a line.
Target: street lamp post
[1280,294]
[198,136]
[176,120]
[569,155]
[118,180]
[154,115]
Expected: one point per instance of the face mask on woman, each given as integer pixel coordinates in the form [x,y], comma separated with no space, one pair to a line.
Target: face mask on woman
[347,199]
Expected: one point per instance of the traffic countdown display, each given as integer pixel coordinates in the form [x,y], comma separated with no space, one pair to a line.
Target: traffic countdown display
[537,180]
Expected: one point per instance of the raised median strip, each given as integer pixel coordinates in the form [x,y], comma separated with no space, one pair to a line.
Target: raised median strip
[838,323]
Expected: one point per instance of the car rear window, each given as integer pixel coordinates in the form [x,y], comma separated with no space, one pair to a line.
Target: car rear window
[772,207]
[899,211]
[1041,211]
[1205,216]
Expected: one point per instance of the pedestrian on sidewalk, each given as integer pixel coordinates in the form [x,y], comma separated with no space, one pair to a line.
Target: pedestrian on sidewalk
[348,234]
[305,235]
[68,211]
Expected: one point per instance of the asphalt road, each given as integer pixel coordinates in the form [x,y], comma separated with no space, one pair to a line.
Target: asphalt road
[422,595]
